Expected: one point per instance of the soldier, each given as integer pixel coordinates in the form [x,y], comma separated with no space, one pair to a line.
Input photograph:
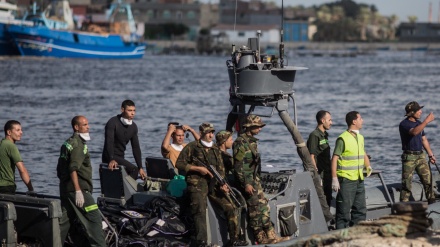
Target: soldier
[413,139]
[200,183]
[224,142]
[247,166]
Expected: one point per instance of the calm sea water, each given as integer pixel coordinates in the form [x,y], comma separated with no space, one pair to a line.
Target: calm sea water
[44,94]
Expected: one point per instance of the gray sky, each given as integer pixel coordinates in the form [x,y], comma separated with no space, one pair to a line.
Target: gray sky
[401,8]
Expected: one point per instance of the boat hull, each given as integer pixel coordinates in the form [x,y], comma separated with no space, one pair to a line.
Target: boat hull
[41,41]
[7,46]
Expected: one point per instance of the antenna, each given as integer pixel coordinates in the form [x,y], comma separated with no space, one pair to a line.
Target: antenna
[282,35]
[430,12]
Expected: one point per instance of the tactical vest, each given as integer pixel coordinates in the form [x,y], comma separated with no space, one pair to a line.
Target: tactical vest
[351,162]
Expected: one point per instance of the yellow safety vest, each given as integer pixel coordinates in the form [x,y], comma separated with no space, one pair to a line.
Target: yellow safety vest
[351,162]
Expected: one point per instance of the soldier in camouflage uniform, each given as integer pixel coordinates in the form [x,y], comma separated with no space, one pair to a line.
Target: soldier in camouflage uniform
[414,140]
[247,166]
[201,182]
[223,142]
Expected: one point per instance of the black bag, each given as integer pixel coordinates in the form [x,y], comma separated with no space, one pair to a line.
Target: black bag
[287,221]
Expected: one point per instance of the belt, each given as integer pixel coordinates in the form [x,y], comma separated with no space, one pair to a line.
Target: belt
[412,152]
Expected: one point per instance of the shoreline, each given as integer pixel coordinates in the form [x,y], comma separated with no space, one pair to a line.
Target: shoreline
[362,46]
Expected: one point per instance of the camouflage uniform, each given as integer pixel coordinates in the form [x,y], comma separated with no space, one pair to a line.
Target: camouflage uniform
[220,138]
[199,186]
[413,158]
[247,171]
[417,163]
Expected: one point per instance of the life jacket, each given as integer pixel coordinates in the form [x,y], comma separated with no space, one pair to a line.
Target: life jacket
[351,162]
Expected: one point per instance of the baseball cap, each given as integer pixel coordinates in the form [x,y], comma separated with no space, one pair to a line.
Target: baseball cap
[206,128]
[222,136]
[412,107]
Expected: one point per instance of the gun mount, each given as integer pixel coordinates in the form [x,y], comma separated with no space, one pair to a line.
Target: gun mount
[262,80]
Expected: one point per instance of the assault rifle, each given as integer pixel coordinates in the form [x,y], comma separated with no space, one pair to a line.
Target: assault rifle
[231,194]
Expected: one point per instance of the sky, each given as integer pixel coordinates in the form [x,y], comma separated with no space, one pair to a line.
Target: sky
[401,8]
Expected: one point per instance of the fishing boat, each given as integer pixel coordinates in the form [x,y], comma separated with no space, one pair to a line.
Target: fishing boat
[8,17]
[53,35]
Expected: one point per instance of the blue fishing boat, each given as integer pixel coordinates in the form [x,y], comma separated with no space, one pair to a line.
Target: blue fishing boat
[55,37]
[7,17]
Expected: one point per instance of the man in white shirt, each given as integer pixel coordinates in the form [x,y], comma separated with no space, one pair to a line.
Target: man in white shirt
[176,132]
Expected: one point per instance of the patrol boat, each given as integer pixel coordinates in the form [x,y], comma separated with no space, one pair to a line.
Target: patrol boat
[148,213]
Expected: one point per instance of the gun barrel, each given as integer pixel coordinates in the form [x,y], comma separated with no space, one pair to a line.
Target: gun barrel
[221,180]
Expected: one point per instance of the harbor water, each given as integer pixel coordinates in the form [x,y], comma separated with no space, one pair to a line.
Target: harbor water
[44,94]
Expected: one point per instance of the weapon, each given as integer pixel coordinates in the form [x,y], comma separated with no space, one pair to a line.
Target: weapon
[437,167]
[231,194]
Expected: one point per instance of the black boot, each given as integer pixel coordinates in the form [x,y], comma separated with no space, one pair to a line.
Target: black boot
[237,242]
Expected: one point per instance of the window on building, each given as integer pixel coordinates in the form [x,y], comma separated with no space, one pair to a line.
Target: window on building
[150,14]
[166,14]
[191,15]
[240,34]
[179,15]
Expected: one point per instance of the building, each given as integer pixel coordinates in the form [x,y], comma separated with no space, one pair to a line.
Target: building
[209,15]
[157,12]
[419,32]
[239,34]
[298,29]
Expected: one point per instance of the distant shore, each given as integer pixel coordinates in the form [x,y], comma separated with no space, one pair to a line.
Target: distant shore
[360,46]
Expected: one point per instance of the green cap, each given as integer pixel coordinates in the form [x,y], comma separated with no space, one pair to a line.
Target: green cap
[205,128]
[222,136]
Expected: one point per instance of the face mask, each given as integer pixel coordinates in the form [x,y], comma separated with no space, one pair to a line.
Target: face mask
[206,144]
[355,131]
[177,147]
[126,121]
[85,136]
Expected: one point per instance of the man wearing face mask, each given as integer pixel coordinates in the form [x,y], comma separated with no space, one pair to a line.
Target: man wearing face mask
[120,130]
[74,170]
[201,182]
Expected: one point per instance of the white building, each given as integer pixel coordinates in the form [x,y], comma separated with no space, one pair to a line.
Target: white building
[269,34]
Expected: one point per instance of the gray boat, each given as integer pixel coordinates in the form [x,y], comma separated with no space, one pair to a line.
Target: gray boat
[255,80]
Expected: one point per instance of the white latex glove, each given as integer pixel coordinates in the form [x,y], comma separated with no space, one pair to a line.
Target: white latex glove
[79,198]
[335,184]
[369,170]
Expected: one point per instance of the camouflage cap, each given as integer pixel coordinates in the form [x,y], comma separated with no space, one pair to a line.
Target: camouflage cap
[412,107]
[206,128]
[253,120]
[222,136]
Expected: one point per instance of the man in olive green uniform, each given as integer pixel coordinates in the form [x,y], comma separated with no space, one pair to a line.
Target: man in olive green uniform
[10,158]
[247,165]
[414,140]
[75,173]
[320,153]
[201,182]
[349,160]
